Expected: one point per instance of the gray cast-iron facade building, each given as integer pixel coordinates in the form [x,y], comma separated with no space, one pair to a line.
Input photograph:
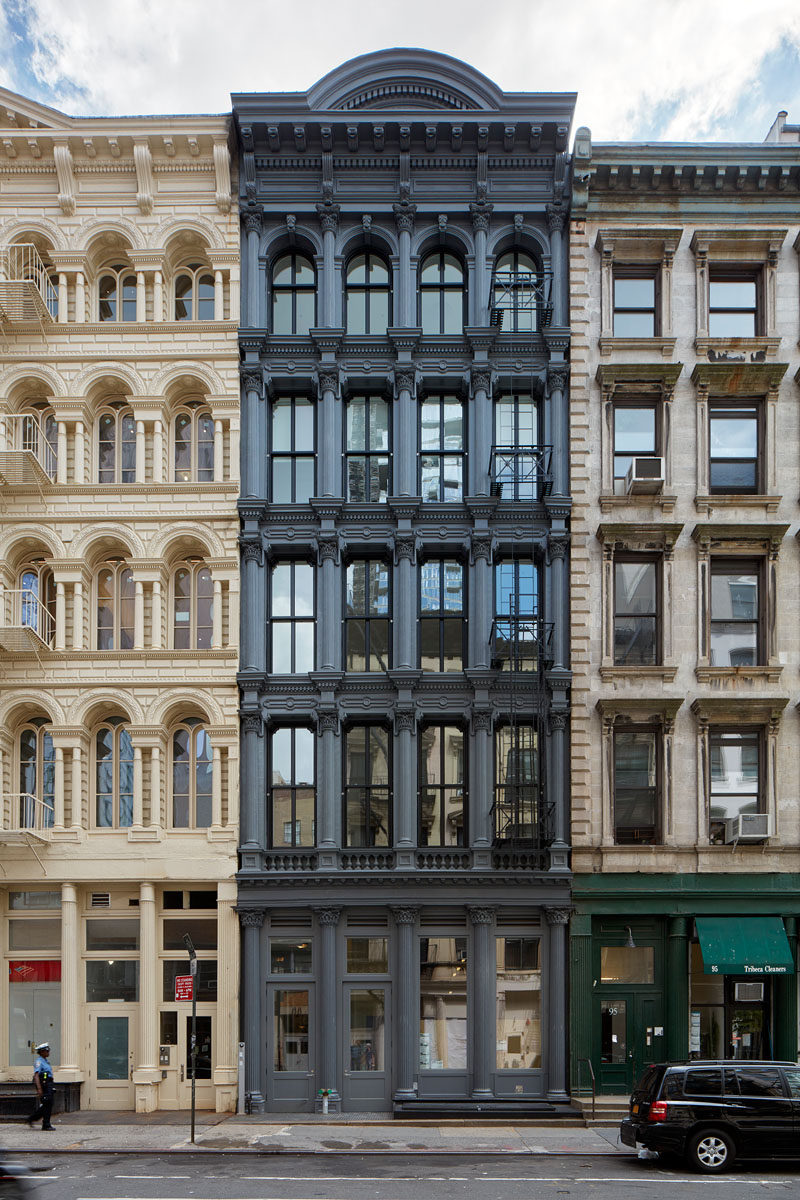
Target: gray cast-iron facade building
[404,877]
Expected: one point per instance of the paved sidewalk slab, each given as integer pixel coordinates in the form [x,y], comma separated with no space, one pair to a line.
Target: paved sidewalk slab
[159,1133]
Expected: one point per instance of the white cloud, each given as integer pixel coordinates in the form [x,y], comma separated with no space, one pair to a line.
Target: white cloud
[679,67]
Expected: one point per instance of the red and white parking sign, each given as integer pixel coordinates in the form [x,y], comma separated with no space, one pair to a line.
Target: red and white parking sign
[183,987]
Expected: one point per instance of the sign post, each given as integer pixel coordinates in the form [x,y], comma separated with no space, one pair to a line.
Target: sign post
[190,950]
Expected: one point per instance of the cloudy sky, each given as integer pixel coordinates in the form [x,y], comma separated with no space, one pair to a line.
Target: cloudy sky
[677,70]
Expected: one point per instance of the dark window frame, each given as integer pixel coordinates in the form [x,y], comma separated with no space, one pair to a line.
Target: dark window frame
[443,288]
[630,556]
[369,788]
[365,453]
[529,267]
[291,619]
[525,619]
[441,452]
[721,731]
[728,565]
[722,409]
[528,832]
[637,271]
[293,455]
[293,788]
[655,836]
[366,616]
[369,290]
[441,789]
[636,403]
[725,273]
[293,289]
[442,614]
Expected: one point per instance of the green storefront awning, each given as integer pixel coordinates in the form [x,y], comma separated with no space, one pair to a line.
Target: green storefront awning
[744,946]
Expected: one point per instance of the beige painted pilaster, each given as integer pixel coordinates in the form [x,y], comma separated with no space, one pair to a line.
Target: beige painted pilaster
[70,1070]
[158,451]
[226,1055]
[147,1074]
[58,788]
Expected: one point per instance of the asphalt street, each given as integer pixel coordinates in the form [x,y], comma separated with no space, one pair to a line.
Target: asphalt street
[390,1177]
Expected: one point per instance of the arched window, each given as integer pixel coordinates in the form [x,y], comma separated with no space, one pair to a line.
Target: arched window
[193,607]
[116,294]
[115,607]
[38,432]
[113,775]
[442,294]
[116,445]
[368,296]
[37,599]
[36,773]
[516,292]
[194,293]
[294,294]
[194,446]
[192,759]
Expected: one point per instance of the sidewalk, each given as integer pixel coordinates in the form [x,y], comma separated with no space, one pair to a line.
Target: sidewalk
[362,1133]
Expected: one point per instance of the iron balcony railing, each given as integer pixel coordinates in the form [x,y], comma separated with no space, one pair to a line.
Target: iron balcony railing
[26,291]
[24,816]
[521,472]
[525,296]
[521,644]
[26,455]
[523,819]
[25,623]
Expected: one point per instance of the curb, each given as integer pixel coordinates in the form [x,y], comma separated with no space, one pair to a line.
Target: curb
[253,1152]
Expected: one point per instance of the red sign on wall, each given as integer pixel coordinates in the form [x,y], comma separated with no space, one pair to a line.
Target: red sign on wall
[183,987]
[35,971]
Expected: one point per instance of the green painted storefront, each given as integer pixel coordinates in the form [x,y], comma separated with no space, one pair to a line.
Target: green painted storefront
[639,980]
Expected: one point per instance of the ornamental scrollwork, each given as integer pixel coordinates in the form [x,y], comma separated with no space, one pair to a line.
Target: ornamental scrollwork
[252,723]
[480,217]
[404,381]
[405,721]
[482,721]
[404,214]
[251,381]
[405,548]
[558,722]
[558,547]
[481,548]
[251,918]
[328,549]
[557,378]
[328,217]
[481,916]
[481,379]
[328,916]
[557,916]
[328,381]
[556,216]
[251,552]
[328,722]
[405,915]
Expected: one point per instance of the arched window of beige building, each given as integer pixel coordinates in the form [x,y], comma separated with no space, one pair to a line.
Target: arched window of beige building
[192,759]
[113,754]
[115,606]
[192,606]
[193,441]
[116,444]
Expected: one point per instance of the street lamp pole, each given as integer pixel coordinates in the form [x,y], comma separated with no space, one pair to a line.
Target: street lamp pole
[190,950]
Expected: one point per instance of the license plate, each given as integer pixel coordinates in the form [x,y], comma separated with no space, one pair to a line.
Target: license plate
[635,1108]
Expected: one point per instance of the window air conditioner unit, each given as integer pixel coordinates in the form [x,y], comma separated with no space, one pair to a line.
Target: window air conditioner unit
[751,993]
[748,827]
[645,476]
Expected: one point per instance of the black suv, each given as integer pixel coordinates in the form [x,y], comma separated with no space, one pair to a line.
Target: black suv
[713,1112]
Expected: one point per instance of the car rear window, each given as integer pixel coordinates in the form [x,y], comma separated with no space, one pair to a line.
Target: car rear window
[793,1079]
[760,1081]
[705,1081]
[647,1087]
[673,1086]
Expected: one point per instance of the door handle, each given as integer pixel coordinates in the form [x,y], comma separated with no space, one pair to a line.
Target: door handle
[181,1074]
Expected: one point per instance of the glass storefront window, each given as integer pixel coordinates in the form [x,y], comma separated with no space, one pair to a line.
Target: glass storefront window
[202,931]
[367,956]
[107,981]
[290,958]
[443,1004]
[519,1004]
[34,1008]
[34,900]
[613,1031]
[168,1028]
[31,936]
[367,1030]
[206,978]
[290,1031]
[109,933]
[627,964]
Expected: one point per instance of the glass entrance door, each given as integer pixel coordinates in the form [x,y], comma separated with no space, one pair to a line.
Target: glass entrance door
[110,1061]
[291,1066]
[630,1035]
[367,1056]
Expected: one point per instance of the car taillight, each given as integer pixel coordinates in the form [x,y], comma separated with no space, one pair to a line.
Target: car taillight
[658,1111]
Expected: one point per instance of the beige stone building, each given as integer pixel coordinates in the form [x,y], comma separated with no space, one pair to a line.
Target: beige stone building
[685,636]
[119,299]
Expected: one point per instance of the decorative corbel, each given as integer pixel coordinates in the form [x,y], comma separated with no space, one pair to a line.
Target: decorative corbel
[66,178]
[143,161]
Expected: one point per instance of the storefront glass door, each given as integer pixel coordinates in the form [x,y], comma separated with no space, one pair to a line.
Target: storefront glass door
[630,1035]
[291,1067]
[367,1053]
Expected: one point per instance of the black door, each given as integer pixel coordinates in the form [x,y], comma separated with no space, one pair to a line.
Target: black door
[763,1109]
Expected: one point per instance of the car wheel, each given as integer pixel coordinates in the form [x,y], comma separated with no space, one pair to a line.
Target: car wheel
[711,1151]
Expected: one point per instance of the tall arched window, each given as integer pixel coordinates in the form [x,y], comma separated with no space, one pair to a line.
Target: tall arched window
[192,759]
[442,294]
[194,293]
[194,446]
[193,607]
[294,294]
[113,775]
[36,772]
[37,599]
[115,607]
[38,432]
[368,296]
[116,294]
[116,445]
[516,292]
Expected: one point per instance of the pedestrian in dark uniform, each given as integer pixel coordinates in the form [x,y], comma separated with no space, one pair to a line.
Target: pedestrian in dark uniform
[44,1083]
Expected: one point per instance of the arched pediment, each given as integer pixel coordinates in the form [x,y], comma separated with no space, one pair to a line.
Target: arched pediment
[404,79]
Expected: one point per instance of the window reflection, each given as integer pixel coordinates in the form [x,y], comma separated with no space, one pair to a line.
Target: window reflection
[519,1004]
[443,1004]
